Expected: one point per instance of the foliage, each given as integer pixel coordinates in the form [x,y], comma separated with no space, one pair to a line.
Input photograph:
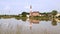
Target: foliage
[54,12]
[24,14]
[23,18]
[59,16]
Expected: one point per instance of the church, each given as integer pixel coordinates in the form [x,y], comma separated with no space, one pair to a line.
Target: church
[34,13]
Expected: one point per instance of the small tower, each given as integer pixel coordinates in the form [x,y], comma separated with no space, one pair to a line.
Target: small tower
[30,7]
[30,10]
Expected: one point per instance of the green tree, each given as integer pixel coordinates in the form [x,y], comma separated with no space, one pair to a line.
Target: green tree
[24,14]
[46,14]
[54,12]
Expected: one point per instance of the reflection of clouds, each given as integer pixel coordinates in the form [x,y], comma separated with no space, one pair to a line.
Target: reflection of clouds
[9,26]
[12,26]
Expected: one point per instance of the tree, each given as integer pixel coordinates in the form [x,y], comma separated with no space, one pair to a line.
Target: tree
[54,12]
[46,14]
[24,14]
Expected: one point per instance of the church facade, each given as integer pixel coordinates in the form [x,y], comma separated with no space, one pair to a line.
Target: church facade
[34,13]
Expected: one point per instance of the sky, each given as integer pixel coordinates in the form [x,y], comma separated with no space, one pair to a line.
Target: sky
[18,6]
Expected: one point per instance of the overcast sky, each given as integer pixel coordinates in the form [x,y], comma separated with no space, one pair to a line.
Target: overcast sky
[18,6]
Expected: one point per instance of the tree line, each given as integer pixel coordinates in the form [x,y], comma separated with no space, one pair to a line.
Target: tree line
[24,14]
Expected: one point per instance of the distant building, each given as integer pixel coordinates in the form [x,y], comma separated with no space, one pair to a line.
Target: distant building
[58,15]
[41,14]
[34,13]
[27,15]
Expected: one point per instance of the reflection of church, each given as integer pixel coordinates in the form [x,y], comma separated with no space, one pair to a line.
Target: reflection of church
[33,13]
[33,21]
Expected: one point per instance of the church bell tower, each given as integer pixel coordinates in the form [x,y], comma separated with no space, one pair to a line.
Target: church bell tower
[30,10]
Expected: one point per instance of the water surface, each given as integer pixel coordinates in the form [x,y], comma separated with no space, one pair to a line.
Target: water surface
[14,26]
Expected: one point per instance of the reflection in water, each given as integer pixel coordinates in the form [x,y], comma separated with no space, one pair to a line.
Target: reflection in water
[31,26]
[33,21]
[0,17]
[57,20]
[17,18]
[23,19]
[9,27]
[54,22]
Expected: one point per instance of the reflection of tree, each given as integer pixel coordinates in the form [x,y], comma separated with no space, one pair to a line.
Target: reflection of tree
[23,19]
[18,18]
[59,17]
[47,19]
[0,17]
[54,22]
